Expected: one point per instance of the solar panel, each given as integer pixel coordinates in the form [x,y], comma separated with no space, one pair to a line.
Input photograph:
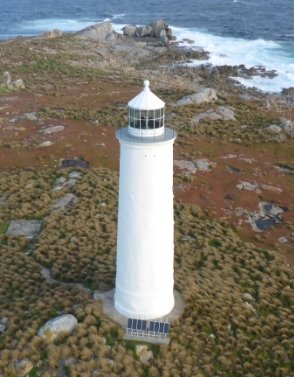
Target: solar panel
[140,325]
[161,328]
[144,325]
[152,325]
[156,327]
[166,328]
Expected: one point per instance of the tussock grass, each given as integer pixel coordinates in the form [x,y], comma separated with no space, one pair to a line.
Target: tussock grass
[218,334]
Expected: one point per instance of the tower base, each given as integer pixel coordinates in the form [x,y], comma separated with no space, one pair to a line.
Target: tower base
[109,309]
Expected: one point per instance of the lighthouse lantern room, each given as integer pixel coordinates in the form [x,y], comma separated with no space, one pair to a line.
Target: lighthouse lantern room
[145,241]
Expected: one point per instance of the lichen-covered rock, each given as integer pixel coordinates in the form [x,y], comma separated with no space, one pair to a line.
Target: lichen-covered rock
[26,228]
[143,353]
[220,112]
[45,144]
[30,116]
[275,129]
[17,84]
[64,202]
[51,34]
[23,367]
[53,328]
[52,129]
[206,95]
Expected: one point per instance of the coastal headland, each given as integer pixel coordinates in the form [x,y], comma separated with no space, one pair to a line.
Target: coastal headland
[62,99]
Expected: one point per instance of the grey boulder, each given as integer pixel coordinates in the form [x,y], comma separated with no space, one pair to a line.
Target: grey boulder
[17,84]
[274,129]
[53,328]
[25,228]
[158,24]
[143,31]
[99,32]
[206,95]
[130,30]
[6,78]
[163,40]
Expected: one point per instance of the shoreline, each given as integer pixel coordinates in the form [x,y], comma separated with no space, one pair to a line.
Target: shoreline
[240,73]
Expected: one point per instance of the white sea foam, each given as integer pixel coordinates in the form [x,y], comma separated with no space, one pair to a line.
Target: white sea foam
[66,25]
[251,53]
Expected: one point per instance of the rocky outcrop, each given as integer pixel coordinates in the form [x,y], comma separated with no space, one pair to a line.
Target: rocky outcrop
[288,91]
[53,328]
[99,33]
[220,112]
[158,30]
[51,34]
[206,95]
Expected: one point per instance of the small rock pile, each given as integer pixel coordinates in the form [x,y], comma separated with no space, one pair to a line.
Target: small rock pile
[11,85]
[51,34]
[157,29]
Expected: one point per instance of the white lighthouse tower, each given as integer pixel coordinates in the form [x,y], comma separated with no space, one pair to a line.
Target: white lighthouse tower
[145,241]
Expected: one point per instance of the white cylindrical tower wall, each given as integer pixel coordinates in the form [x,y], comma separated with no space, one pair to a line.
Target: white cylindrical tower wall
[145,243]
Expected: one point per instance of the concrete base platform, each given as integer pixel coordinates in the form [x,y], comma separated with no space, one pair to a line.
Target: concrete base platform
[108,308]
[147,339]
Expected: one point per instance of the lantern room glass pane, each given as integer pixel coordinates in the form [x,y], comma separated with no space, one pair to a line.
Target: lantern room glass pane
[137,114]
[150,124]
[157,113]
[150,114]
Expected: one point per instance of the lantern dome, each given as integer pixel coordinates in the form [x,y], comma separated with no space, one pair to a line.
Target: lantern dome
[146,114]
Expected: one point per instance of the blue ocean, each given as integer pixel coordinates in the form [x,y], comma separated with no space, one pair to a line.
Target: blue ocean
[250,32]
